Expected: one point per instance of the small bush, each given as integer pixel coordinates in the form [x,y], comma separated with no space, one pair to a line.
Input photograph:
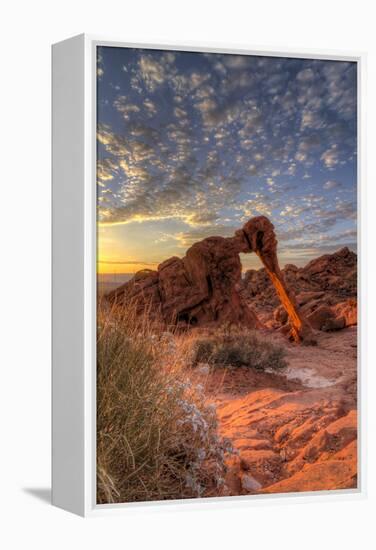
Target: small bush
[203,350]
[156,438]
[239,349]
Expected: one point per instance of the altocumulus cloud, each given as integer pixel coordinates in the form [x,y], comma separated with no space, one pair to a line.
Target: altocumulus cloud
[213,139]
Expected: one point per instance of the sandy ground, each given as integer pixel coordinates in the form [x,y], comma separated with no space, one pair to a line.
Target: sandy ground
[295,430]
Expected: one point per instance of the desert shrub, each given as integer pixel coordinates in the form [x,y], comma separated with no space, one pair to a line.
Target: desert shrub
[237,349]
[203,350]
[156,438]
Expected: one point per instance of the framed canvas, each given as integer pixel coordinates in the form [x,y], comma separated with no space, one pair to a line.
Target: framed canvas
[208,312]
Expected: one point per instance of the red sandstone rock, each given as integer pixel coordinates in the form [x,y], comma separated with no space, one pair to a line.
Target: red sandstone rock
[328,281]
[141,291]
[334,274]
[348,311]
[206,286]
[280,315]
[320,317]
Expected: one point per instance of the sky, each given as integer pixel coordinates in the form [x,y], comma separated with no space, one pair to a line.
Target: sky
[191,145]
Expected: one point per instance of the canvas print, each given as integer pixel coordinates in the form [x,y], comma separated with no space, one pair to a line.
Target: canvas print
[226,275]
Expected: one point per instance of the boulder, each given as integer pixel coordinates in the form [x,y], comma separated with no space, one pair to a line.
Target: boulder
[347,310]
[280,315]
[322,315]
[335,323]
[305,297]
[335,317]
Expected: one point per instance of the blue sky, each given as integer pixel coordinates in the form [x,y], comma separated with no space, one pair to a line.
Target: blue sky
[192,145]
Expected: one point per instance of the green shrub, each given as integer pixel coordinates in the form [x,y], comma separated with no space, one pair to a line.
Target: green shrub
[239,349]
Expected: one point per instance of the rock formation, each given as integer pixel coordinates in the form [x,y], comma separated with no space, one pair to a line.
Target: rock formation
[333,275]
[325,291]
[205,287]
[290,441]
[294,430]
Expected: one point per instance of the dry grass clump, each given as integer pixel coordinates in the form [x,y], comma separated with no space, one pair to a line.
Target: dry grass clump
[156,439]
[238,348]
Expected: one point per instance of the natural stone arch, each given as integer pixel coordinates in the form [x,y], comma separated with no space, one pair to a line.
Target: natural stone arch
[259,236]
[205,288]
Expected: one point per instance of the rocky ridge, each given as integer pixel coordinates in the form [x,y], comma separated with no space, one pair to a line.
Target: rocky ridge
[325,292]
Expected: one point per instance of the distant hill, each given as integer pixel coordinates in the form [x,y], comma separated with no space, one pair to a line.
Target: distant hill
[109,281]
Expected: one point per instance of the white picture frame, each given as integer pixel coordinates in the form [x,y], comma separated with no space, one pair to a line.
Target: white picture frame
[74,278]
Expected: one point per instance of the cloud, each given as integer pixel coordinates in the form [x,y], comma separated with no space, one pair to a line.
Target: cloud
[150,106]
[210,140]
[235,61]
[180,113]
[197,79]
[331,184]
[312,119]
[215,115]
[134,171]
[124,107]
[152,72]
[341,86]
[133,150]
[114,144]
[300,156]
[167,185]
[330,157]
[305,75]
[106,169]
[100,67]
[188,238]
[259,204]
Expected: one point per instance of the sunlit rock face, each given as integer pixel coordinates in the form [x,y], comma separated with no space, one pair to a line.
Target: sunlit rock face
[205,287]
[325,292]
